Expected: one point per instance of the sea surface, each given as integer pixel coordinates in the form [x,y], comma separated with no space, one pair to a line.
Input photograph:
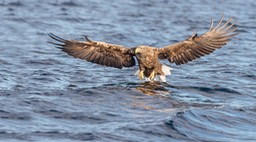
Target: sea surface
[46,95]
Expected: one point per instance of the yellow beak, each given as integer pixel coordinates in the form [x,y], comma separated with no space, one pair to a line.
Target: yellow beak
[137,50]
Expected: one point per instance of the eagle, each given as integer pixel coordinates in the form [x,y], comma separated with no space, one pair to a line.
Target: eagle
[150,68]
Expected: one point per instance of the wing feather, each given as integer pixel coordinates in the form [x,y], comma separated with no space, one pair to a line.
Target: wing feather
[198,46]
[97,52]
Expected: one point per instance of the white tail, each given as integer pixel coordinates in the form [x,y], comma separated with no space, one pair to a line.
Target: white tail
[167,71]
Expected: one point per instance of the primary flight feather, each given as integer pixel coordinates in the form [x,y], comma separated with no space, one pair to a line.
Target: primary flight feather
[119,56]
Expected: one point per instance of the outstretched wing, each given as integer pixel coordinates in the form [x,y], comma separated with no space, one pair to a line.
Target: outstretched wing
[196,46]
[97,52]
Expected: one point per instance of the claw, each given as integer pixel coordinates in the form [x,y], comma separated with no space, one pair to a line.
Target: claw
[152,75]
[141,75]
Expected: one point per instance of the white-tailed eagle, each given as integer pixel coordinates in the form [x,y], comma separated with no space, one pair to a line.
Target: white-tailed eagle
[119,56]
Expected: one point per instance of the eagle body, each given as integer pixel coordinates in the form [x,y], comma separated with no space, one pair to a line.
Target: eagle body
[148,57]
[148,62]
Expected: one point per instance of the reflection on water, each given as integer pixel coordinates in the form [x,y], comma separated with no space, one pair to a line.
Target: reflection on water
[152,88]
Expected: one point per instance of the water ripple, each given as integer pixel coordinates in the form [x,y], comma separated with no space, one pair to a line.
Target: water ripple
[45,95]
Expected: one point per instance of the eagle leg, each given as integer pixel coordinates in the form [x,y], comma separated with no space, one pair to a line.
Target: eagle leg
[141,75]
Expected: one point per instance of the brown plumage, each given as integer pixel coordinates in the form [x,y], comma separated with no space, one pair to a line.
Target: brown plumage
[197,46]
[97,52]
[119,56]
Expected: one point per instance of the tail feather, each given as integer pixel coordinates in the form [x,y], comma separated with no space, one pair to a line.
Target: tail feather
[166,69]
[162,78]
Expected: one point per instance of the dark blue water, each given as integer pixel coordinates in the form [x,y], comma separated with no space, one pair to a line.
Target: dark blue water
[45,95]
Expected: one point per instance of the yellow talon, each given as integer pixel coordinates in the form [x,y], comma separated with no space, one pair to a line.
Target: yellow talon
[152,75]
[141,75]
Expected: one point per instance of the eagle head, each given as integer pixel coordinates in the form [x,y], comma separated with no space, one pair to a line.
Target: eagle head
[144,50]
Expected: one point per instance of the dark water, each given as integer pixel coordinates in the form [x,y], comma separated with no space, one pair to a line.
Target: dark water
[46,95]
